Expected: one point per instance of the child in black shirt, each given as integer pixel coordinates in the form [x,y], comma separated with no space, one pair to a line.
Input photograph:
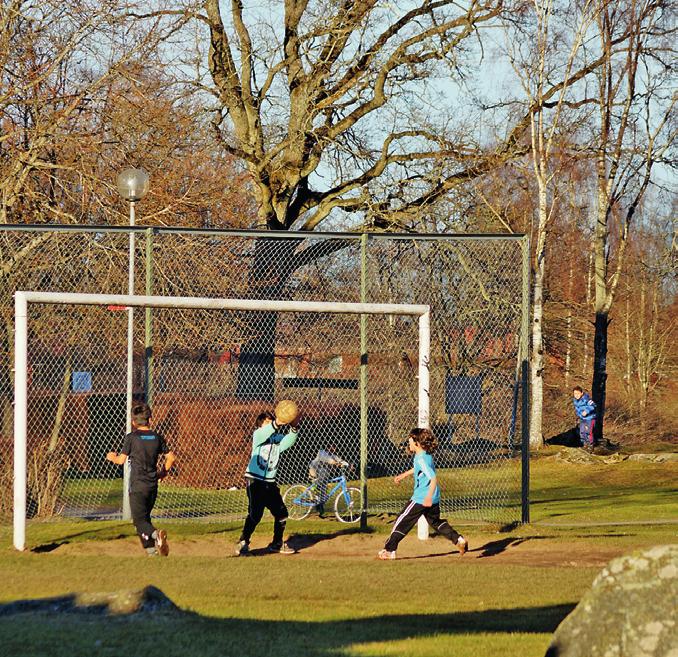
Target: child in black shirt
[143,447]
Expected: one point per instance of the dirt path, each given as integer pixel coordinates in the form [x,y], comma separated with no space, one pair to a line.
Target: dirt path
[488,548]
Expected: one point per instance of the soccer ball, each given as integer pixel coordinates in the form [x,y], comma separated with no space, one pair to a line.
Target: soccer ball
[286,411]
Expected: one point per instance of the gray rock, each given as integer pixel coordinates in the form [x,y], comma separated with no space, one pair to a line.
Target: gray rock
[630,610]
[659,457]
[149,599]
[576,455]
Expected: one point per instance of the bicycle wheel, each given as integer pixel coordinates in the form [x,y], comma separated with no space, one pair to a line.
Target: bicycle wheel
[349,505]
[299,501]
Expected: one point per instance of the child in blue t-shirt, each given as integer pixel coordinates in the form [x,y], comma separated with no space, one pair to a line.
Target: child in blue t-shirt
[425,500]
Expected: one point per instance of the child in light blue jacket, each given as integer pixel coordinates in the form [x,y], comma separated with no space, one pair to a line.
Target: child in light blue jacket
[268,441]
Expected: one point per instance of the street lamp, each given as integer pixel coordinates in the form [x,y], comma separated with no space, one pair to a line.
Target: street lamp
[132,185]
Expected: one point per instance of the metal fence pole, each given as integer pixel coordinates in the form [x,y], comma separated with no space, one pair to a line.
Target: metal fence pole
[126,510]
[148,319]
[364,409]
[424,400]
[20,418]
[525,409]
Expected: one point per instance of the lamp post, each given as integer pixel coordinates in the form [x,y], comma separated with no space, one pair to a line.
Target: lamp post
[132,185]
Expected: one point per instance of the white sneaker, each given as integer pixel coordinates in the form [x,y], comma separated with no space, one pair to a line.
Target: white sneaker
[242,549]
[283,548]
[462,545]
[386,554]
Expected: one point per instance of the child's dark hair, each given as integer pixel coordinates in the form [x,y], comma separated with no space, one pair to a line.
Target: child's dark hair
[141,413]
[425,439]
[262,417]
[577,389]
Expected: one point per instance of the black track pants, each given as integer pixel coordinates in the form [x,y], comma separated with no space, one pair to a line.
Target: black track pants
[141,504]
[264,495]
[408,518]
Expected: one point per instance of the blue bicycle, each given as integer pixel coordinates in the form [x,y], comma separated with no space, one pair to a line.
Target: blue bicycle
[348,503]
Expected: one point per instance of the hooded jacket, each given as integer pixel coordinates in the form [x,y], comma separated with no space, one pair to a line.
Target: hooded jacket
[584,405]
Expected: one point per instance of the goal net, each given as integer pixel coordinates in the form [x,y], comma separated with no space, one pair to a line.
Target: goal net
[359,372]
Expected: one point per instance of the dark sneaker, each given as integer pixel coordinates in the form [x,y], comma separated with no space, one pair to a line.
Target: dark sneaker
[283,548]
[161,543]
[462,545]
[242,549]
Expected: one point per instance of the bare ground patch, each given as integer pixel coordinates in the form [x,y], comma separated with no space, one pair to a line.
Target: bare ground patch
[484,548]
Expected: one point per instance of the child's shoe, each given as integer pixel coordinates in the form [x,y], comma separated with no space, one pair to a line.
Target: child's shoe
[386,554]
[462,545]
[283,548]
[161,542]
[242,549]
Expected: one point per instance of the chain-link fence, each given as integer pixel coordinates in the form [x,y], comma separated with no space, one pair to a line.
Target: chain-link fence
[208,373]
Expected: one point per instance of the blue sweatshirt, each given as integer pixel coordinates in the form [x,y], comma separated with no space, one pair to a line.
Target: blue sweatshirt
[584,405]
[267,443]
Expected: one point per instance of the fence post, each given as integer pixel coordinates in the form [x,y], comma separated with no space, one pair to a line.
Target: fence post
[148,319]
[364,415]
[525,390]
[126,472]
[20,418]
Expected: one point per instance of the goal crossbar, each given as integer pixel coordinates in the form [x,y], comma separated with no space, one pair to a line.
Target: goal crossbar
[23,298]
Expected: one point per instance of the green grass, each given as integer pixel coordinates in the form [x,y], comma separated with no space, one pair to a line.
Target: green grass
[565,493]
[320,604]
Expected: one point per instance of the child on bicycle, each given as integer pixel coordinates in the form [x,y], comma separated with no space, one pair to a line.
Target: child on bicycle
[425,500]
[321,470]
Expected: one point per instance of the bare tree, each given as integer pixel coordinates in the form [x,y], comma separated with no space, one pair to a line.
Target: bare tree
[325,108]
[545,53]
[58,59]
[636,128]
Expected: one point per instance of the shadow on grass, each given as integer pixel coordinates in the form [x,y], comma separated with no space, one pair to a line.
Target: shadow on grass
[304,541]
[195,635]
[494,548]
[97,534]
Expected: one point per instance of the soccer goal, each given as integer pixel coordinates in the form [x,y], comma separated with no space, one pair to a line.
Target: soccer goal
[64,415]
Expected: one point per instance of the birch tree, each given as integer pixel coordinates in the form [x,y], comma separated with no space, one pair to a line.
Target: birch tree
[536,60]
[635,131]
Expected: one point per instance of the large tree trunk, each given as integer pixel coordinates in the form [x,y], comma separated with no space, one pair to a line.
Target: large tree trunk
[537,356]
[602,299]
[598,386]
[275,261]
[269,274]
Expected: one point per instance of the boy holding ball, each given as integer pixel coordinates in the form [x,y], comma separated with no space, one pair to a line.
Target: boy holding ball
[273,434]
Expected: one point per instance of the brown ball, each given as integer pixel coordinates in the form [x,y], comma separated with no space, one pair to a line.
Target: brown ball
[286,411]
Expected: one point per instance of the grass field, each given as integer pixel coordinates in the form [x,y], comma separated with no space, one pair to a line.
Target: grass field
[333,598]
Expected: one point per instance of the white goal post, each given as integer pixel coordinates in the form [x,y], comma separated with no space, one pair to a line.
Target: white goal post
[23,298]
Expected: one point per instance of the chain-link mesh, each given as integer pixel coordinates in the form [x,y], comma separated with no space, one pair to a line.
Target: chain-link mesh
[208,374]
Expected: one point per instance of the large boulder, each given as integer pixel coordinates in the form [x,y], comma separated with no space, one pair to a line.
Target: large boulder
[630,610]
[146,600]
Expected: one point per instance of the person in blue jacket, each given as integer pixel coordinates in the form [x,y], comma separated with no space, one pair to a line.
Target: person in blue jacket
[585,409]
[268,441]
